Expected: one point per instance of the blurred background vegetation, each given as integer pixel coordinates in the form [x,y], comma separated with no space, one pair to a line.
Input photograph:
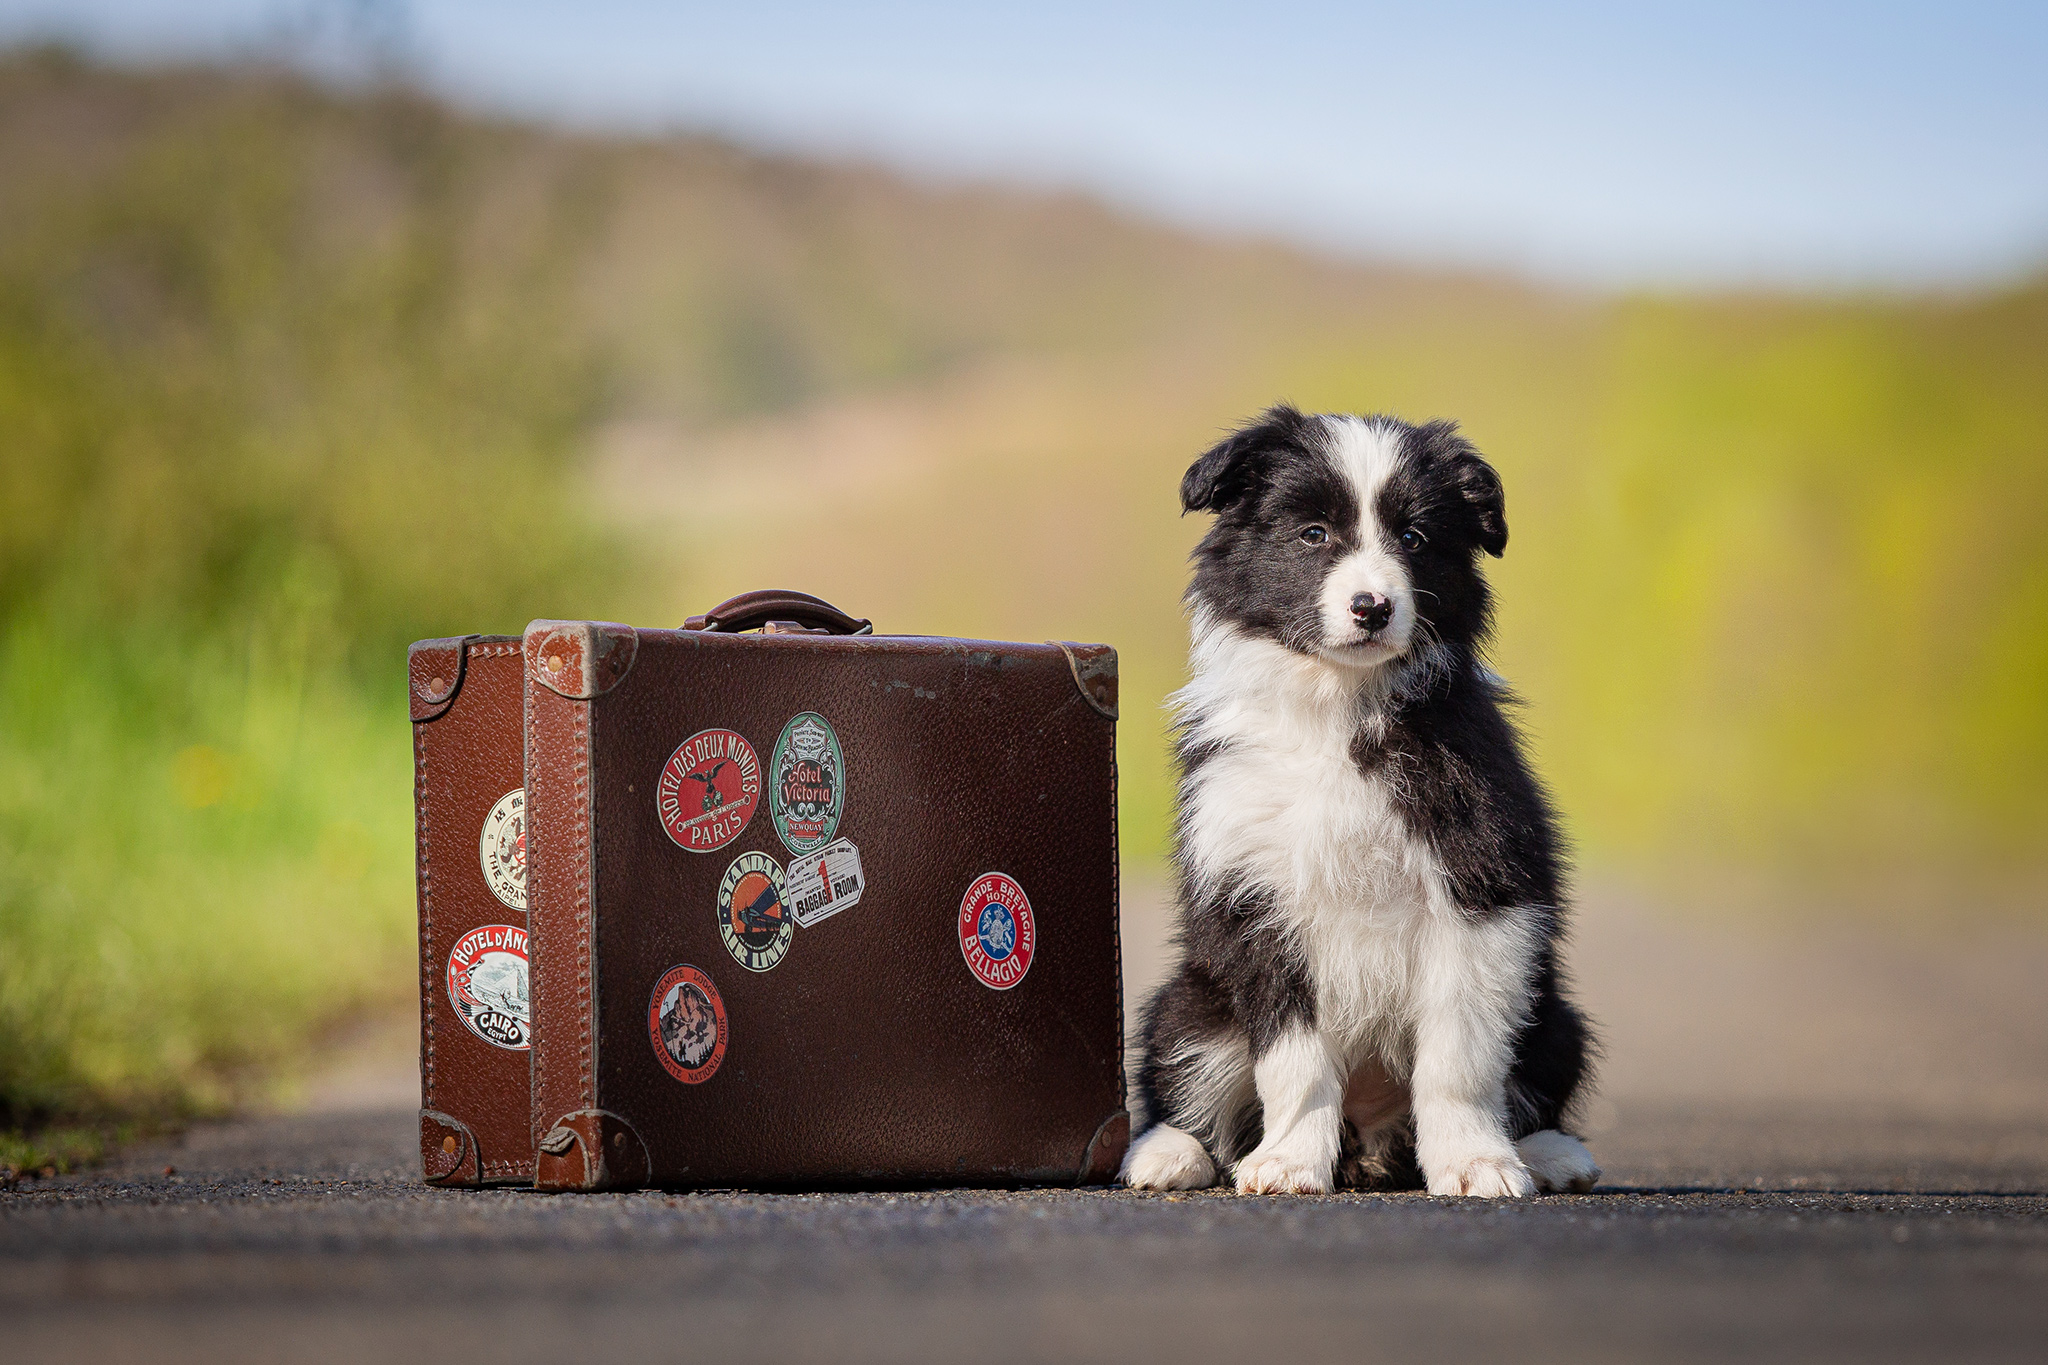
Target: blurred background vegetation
[290,377]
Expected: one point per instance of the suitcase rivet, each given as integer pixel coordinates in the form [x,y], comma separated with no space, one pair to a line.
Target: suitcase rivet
[435,684]
[448,1144]
[618,1139]
[554,663]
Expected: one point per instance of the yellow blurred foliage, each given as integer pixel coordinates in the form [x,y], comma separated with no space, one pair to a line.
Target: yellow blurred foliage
[202,774]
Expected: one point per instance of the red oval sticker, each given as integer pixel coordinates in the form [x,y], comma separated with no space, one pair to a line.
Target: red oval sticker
[998,936]
[686,1020]
[708,790]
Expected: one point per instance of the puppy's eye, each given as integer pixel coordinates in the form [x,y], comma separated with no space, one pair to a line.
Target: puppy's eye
[1314,535]
[1413,540]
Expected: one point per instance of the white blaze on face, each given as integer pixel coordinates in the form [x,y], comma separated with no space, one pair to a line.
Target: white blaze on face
[1367,455]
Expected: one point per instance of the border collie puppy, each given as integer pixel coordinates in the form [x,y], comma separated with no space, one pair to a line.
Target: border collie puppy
[1370,876]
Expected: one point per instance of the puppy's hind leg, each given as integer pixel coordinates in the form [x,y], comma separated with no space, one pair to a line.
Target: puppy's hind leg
[1552,1056]
[1559,1161]
[1196,1085]
[1165,1158]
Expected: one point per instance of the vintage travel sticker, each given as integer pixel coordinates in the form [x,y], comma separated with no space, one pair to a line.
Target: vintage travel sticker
[502,850]
[708,790]
[752,919]
[686,1021]
[819,885]
[998,936]
[807,782]
[487,985]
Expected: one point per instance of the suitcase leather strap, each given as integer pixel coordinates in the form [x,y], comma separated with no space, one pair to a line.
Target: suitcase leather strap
[770,608]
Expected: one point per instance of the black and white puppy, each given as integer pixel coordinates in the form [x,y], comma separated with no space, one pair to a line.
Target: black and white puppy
[1371,880]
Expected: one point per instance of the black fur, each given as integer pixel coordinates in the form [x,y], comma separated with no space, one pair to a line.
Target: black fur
[1447,749]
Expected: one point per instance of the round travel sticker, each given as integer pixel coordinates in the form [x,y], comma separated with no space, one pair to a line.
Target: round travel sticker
[686,1020]
[502,850]
[807,783]
[708,790]
[487,985]
[997,934]
[752,919]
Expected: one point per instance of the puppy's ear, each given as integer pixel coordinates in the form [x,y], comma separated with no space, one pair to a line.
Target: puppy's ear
[1477,484]
[1232,468]
[1488,500]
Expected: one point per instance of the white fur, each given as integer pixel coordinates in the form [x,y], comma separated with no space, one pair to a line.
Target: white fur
[1398,971]
[1301,1093]
[1165,1158]
[1365,452]
[1559,1161]
[1470,994]
[1367,455]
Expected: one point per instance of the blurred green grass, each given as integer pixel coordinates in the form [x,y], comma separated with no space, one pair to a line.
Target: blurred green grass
[247,459]
[291,377]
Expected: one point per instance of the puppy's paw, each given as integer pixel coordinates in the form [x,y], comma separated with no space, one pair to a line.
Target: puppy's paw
[1483,1177]
[1165,1158]
[1278,1173]
[1559,1161]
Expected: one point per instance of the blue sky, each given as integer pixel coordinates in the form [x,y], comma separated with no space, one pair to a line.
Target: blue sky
[1818,145]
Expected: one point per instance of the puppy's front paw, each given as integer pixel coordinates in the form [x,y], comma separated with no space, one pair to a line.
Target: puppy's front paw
[1483,1177]
[1276,1173]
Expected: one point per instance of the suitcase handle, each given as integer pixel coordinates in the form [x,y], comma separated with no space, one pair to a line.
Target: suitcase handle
[775,606]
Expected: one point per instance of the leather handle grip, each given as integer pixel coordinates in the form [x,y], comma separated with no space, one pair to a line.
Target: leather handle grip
[752,610]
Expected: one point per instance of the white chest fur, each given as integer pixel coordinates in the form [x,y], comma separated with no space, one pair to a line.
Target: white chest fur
[1283,808]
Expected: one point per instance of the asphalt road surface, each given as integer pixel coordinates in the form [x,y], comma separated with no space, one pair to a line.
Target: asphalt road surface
[1819,1145]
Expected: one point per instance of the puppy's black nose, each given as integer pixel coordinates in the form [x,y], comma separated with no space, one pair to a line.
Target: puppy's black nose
[1372,611]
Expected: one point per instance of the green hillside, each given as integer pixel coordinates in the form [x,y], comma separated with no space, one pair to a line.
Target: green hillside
[291,377]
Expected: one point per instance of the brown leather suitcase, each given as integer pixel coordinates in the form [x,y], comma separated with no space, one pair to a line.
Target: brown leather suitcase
[469,813]
[818,908]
